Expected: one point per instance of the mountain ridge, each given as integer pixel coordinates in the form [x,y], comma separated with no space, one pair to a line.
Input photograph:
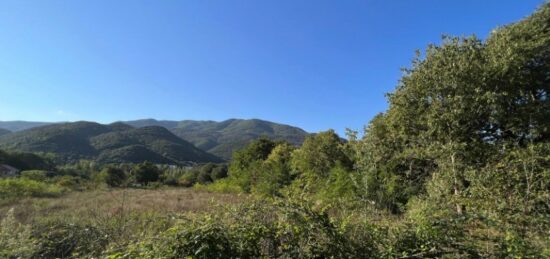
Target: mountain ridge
[220,138]
[106,143]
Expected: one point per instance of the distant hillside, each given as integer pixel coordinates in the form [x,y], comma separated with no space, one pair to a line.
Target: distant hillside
[117,142]
[222,138]
[4,132]
[218,138]
[21,125]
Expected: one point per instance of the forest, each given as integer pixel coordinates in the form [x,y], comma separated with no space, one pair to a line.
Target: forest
[458,166]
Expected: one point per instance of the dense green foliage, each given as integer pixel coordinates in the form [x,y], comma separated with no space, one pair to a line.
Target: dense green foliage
[463,148]
[114,143]
[17,188]
[146,173]
[26,161]
[113,176]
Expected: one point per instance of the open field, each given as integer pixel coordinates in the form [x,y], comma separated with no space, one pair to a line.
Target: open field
[116,202]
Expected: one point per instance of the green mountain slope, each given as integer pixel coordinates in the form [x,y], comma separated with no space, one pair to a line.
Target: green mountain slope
[4,132]
[135,144]
[222,138]
[116,142]
[218,138]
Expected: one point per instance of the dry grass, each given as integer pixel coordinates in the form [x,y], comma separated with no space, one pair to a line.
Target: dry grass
[110,203]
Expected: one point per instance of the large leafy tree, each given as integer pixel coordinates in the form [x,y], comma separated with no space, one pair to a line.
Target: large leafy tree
[146,172]
[315,159]
[457,108]
[245,167]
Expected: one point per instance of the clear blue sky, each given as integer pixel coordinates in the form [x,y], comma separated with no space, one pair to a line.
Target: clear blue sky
[314,64]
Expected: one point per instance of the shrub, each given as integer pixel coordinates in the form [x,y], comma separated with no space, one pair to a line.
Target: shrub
[15,239]
[339,186]
[69,182]
[204,177]
[259,230]
[67,240]
[219,172]
[171,176]
[188,179]
[206,240]
[146,172]
[112,176]
[36,175]
[21,187]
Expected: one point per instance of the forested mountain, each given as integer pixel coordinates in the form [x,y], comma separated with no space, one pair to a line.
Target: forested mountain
[21,125]
[222,138]
[115,142]
[218,138]
[4,132]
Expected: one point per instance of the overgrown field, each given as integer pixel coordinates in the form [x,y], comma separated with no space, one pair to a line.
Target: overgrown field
[175,223]
[109,203]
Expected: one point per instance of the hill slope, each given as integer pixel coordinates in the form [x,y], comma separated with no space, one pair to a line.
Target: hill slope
[116,143]
[222,138]
[4,132]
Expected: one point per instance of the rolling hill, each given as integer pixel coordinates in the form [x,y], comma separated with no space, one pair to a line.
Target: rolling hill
[4,132]
[218,138]
[222,138]
[113,143]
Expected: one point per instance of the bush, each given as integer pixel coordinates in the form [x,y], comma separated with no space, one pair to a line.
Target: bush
[67,240]
[69,182]
[188,179]
[36,175]
[219,172]
[21,187]
[146,172]
[258,230]
[171,176]
[339,187]
[205,240]
[204,177]
[15,239]
[112,176]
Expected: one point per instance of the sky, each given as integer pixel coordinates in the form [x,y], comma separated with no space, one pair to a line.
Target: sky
[314,64]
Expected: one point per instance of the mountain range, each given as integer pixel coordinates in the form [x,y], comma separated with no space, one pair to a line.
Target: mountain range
[159,141]
[222,138]
[113,143]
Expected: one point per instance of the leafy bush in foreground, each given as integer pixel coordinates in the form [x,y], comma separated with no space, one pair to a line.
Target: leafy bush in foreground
[67,240]
[15,239]
[273,230]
